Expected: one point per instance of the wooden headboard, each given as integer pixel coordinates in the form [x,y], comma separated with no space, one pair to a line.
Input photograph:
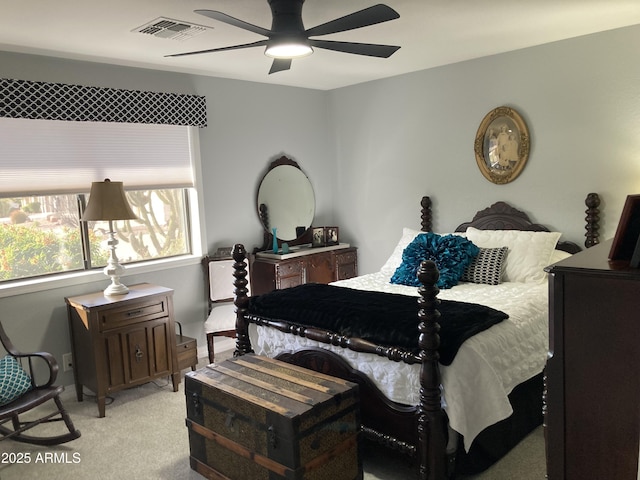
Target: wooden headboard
[502,216]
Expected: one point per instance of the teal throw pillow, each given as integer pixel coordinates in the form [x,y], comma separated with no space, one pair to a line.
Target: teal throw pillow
[14,381]
[451,254]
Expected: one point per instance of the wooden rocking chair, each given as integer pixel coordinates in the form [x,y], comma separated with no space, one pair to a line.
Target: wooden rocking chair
[37,395]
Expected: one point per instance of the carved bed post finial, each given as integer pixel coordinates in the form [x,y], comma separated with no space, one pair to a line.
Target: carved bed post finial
[241,301]
[593,220]
[432,423]
[426,214]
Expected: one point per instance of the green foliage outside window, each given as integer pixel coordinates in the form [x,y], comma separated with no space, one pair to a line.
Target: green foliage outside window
[27,252]
[42,235]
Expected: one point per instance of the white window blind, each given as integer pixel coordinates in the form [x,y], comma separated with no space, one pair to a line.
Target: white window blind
[39,157]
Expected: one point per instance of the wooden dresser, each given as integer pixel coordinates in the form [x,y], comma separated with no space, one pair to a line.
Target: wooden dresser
[308,265]
[592,400]
[122,341]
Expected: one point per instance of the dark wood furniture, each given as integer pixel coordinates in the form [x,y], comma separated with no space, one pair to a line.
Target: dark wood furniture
[592,413]
[417,430]
[322,265]
[186,350]
[122,341]
[255,417]
[42,390]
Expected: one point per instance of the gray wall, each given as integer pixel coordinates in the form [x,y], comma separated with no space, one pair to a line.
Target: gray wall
[404,137]
[249,124]
[372,150]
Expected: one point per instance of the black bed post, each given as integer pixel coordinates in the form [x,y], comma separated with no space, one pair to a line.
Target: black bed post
[432,430]
[425,203]
[241,301]
[593,220]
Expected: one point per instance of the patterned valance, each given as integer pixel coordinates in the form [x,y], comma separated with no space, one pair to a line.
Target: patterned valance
[58,101]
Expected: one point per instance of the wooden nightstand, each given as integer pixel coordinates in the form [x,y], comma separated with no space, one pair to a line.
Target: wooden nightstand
[122,341]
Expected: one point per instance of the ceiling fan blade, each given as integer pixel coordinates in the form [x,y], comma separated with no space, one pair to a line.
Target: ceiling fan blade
[228,19]
[280,64]
[259,43]
[369,49]
[362,18]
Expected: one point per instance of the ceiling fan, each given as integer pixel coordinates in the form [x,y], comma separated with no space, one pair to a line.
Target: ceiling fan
[288,38]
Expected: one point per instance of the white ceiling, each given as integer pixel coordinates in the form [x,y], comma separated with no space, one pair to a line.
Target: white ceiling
[430,33]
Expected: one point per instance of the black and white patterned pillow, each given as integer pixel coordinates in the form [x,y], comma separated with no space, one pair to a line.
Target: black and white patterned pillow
[487,267]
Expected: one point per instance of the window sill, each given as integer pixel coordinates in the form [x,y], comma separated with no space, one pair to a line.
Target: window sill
[77,278]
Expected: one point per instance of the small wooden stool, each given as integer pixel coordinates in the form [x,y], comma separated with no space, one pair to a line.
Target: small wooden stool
[187,350]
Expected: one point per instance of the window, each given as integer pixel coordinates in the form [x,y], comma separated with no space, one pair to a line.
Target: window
[43,235]
[47,164]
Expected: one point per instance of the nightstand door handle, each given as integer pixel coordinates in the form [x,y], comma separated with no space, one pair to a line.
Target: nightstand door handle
[133,313]
[139,354]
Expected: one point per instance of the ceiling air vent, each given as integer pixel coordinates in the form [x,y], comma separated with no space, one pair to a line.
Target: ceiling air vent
[172,29]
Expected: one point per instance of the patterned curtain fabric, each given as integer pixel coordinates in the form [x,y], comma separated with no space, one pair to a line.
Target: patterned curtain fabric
[58,101]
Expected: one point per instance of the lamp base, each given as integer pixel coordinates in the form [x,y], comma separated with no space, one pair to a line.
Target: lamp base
[116,289]
[113,269]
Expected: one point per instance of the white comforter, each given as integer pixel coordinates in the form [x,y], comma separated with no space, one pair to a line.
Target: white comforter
[487,367]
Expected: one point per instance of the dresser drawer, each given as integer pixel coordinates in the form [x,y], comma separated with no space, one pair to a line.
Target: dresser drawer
[289,269]
[289,282]
[347,264]
[141,312]
[349,257]
[347,271]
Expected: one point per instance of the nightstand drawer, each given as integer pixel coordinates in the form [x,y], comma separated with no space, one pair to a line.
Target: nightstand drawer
[142,312]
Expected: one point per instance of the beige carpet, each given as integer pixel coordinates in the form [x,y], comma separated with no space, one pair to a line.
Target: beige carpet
[144,436]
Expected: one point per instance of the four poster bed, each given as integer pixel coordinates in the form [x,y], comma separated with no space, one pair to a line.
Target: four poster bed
[451,392]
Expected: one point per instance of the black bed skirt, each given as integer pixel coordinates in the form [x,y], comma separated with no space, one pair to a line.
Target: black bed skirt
[496,441]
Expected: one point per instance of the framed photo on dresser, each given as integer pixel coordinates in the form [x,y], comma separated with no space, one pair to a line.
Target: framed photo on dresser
[331,235]
[317,237]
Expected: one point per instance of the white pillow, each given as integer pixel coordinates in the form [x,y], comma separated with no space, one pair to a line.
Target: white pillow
[529,252]
[394,261]
[558,255]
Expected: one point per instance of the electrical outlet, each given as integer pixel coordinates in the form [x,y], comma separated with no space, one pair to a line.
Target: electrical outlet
[67,362]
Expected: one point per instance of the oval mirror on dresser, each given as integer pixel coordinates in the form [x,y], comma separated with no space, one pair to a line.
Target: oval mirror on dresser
[286,202]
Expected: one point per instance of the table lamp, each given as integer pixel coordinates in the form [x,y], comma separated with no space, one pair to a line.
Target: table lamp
[107,201]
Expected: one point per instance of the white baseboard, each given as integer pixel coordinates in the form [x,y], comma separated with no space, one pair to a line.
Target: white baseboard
[221,344]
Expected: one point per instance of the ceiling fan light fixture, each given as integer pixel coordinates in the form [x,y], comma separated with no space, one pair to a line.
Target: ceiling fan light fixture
[288,39]
[288,48]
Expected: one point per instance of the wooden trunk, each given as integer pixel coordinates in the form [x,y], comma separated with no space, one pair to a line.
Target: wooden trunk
[259,418]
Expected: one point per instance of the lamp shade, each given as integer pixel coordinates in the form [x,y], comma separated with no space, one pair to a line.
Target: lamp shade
[107,201]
